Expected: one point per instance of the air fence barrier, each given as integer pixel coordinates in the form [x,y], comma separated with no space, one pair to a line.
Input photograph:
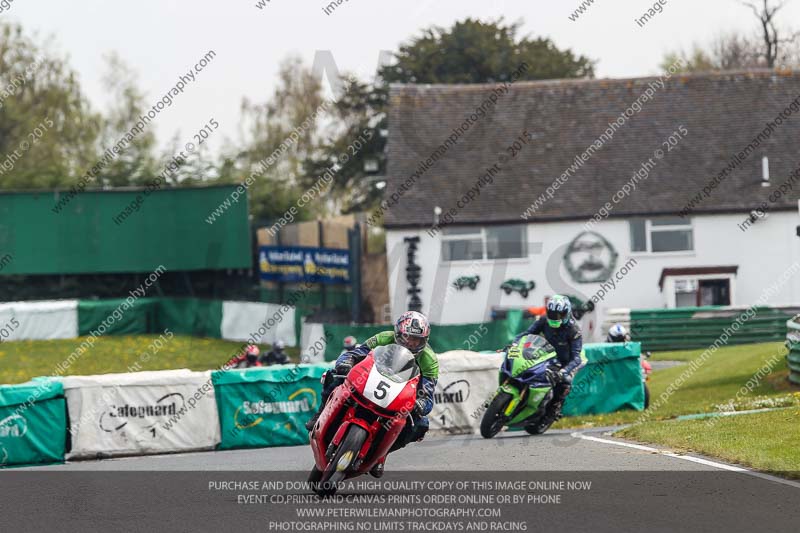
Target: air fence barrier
[111,415]
[231,320]
[33,421]
[699,327]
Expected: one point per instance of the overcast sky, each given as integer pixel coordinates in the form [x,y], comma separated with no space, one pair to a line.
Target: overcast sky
[163,38]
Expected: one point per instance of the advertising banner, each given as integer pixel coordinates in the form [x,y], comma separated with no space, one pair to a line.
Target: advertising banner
[295,264]
[141,413]
[261,407]
[33,421]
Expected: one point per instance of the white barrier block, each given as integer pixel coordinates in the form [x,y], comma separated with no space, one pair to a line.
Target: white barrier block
[50,319]
[466,381]
[266,322]
[141,413]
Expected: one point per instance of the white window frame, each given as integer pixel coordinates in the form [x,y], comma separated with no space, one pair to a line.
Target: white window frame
[649,228]
[482,233]
[668,292]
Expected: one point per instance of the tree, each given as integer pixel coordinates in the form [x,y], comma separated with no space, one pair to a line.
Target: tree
[770,48]
[359,121]
[469,52]
[48,132]
[730,51]
[481,52]
[278,136]
[772,38]
[136,164]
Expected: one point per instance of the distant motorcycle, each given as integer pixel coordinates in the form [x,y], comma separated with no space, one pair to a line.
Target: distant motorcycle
[525,390]
[363,417]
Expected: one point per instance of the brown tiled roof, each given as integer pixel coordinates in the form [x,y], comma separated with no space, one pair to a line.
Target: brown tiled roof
[722,112]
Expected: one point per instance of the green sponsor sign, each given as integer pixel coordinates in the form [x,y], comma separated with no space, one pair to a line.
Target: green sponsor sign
[262,407]
[33,422]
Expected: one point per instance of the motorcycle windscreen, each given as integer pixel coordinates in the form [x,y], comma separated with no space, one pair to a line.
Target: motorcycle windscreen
[395,362]
[536,349]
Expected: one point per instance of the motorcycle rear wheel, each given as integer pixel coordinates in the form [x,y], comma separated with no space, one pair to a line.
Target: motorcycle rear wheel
[538,427]
[494,418]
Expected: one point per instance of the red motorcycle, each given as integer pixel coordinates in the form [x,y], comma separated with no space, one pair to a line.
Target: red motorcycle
[363,417]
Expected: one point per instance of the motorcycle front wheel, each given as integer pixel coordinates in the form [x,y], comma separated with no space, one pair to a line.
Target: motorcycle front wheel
[494,418]
[341,462]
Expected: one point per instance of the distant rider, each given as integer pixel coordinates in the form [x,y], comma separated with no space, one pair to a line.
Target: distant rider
[410,331]
[349,344]
[561,330]
[276,356]
[618,333]
[249,358]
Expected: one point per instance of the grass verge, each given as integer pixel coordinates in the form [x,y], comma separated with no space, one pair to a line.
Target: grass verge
[714,383]
[23,360]
[764,441]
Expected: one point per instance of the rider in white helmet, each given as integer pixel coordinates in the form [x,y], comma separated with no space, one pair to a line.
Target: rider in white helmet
[617,333]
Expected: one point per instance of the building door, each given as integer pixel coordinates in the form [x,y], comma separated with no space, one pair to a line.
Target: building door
[714,292]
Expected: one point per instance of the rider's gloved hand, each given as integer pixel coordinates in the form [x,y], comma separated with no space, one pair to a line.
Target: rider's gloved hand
[344,368]
[553,375]
[419,408]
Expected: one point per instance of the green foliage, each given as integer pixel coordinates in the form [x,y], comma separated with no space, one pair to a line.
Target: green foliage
[280,135]
[481,52]
[37,87]
[360,114]
[136,165]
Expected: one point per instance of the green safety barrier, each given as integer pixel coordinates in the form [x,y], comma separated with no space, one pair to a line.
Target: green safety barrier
[140,318]
[610,381]
[190,316]
[444,338]
[263,407]
[698,327]
[33,422]
[182,316]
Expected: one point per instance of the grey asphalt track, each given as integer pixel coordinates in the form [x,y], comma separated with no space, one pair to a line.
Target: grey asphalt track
[556,450]
[632,489]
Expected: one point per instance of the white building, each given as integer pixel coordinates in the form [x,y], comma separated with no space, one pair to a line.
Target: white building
[628,222]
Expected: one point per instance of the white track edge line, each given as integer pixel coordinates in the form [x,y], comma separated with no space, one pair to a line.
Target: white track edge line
[699,460]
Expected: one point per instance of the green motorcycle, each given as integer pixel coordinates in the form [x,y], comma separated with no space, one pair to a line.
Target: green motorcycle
[525,389]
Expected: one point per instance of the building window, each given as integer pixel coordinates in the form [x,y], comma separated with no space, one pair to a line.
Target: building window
[661,235]
[493,242]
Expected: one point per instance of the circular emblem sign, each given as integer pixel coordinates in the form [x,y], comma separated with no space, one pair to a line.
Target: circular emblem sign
[590,258]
